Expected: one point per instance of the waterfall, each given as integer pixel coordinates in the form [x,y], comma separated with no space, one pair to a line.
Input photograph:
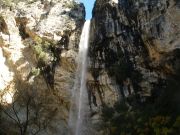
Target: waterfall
[79,106]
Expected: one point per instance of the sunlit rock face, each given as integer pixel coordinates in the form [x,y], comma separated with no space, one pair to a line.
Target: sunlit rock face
[6,75]
[38,50]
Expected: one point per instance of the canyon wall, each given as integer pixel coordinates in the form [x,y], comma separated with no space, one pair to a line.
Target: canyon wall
[133,70]
[38,49]
[134,57]
[136,41]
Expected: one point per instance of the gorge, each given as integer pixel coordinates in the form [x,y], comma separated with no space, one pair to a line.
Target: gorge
[118,74]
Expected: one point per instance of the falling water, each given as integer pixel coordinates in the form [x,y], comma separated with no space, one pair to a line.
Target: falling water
[77,118]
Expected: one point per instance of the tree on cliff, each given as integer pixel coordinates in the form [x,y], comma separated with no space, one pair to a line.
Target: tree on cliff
[13,114]
[24,114]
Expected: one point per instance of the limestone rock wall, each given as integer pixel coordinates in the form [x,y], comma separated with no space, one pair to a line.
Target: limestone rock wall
[137,41]
[134,60]
[38,49]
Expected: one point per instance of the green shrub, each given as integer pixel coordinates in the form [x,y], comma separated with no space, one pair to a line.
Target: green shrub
[139,121]
[35,71]
[42,49]
[71,5]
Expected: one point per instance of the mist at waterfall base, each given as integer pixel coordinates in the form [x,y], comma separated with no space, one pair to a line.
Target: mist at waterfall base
[78,118]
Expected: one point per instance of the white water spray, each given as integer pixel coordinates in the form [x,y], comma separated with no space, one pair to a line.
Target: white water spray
[77,119]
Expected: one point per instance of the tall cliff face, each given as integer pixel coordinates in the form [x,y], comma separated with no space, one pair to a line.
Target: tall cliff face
[138,40]
[38,49]
[135,54]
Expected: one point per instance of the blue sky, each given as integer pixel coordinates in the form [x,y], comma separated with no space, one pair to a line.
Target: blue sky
[89,6]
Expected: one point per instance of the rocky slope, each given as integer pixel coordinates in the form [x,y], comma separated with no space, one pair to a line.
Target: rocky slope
[38,49]
[134,52]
